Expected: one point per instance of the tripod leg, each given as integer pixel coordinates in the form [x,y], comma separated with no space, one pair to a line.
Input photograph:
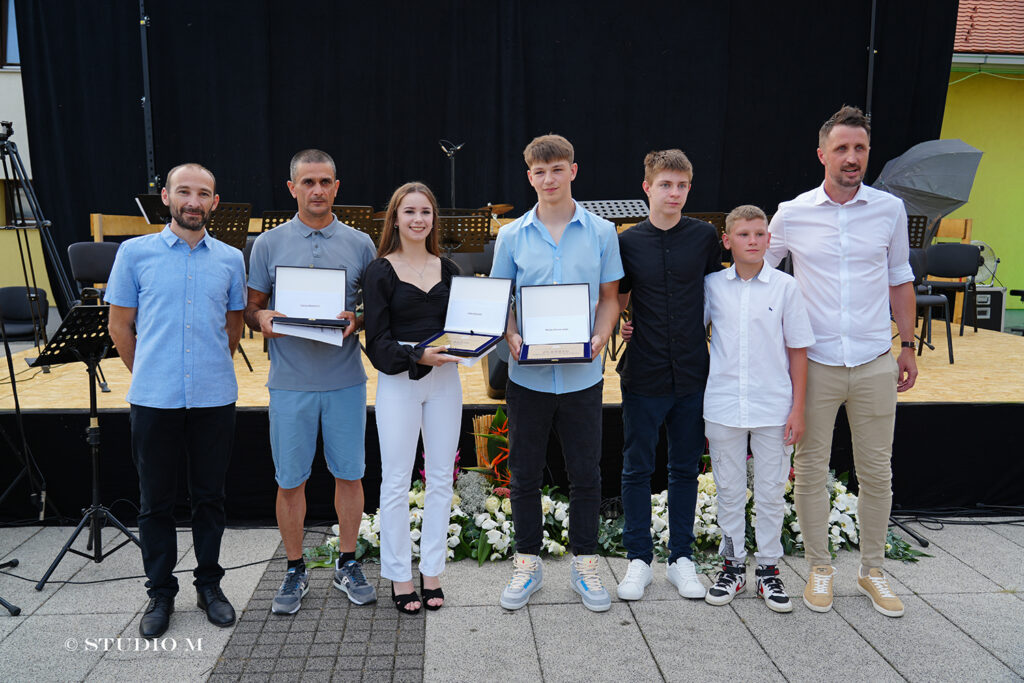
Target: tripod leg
[102,381]
[125,530]
[13,609]
[245,357]
[62,553]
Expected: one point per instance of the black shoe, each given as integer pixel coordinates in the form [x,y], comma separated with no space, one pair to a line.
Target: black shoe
[157,617]
[218,610]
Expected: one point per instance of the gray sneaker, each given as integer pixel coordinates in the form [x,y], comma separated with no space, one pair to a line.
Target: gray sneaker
[587,582]
[349,579]
[527,578]
[289,595]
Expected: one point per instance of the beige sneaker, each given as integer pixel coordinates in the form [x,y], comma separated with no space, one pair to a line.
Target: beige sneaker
[876,587]
[818,591]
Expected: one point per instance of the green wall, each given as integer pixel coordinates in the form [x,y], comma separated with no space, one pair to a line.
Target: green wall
[987,111]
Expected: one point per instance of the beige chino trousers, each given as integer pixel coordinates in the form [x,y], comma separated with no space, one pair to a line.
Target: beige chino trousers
[869,392]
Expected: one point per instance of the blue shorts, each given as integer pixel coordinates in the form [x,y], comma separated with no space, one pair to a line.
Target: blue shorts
[295,417]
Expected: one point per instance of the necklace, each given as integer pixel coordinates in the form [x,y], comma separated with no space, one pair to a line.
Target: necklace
[419,273]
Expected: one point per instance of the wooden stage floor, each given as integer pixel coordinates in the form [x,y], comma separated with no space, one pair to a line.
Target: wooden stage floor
[989,368]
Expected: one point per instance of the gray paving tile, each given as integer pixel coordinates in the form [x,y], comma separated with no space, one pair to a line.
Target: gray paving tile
[188,628]
[1013,532]
[48,647]
[480,629]
[679,633]
[467,584]
[12,537]
[143,668]
[990,554]
[921,645]
[592,637]
[806,645]
[995,621]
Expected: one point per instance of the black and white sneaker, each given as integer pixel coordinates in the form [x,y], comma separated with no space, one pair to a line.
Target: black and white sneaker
[730,581]
[769,587]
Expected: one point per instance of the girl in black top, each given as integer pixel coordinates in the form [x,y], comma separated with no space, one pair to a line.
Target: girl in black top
[405,295]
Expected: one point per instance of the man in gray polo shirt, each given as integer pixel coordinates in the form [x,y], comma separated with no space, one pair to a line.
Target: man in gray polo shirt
[314,385]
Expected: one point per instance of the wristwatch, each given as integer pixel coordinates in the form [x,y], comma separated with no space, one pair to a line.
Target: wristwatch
[908,345]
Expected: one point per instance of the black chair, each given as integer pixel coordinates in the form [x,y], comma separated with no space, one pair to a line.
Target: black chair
[954,260]
[25,312]
[926,301]
[91,263]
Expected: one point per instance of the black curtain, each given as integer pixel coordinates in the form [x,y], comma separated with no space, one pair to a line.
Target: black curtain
[741,86]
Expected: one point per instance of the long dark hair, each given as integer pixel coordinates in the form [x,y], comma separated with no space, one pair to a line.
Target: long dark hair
[389,240]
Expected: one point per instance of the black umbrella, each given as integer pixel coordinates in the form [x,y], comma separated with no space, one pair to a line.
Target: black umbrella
[933,178]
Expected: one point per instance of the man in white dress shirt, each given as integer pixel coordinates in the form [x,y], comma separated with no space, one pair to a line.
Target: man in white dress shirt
[850,253]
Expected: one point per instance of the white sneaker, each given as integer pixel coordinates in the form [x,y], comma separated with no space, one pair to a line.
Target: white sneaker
[638,577]
[527,579]
[683,575]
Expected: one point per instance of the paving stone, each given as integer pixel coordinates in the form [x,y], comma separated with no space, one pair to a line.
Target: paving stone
[408,676]
[374,676]
[349,664]
[380,662]
[266,651]
[319,664]
[409,662]
[260,665]
[290,664]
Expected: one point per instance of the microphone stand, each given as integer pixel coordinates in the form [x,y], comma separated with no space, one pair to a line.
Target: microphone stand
[450,148]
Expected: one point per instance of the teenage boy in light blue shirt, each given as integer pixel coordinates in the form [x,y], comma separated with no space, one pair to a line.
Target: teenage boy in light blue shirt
[557,242]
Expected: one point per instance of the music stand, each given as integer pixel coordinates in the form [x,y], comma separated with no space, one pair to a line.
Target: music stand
[346,213]
[464,230]
[83,337]
[230,224]
[618,211]
[272,219]
[917,229]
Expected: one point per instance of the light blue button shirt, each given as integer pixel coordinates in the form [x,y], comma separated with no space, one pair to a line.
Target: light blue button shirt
[588,251]
[182,295]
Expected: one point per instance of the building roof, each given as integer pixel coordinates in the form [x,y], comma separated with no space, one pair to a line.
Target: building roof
[990,26]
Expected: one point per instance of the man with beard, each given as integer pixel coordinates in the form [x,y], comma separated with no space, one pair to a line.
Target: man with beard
[184,292]
[850,252]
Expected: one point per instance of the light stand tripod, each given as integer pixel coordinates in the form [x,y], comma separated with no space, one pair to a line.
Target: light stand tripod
[83,337]
[450,148]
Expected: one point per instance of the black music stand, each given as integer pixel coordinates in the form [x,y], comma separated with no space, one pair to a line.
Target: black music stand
[464,230]
[272,219]
[230,224]
[83,337]
[917,232]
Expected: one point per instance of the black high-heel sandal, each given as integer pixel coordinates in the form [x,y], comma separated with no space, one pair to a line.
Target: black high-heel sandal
[431,594]
[402,601]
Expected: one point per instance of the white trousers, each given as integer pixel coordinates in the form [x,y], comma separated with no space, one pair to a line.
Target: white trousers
[404,408]
[728,449]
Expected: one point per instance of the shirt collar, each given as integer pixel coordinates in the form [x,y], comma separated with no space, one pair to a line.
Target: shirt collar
[821,197]
[764,276]
[577,216]
[327,231]
[170,239]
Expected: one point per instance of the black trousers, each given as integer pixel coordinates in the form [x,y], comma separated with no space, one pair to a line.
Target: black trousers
[576,417]
[163,440]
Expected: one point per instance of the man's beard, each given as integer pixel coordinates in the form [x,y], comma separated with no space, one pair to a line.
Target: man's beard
[189,221]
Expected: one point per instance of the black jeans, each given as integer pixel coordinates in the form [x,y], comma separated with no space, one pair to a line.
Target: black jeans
[163,440]
[576,417]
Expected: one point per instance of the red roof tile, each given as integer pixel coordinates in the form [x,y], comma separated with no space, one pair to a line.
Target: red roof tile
[990,26]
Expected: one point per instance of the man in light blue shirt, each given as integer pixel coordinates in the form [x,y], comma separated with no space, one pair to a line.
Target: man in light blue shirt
[557,242]
[314,386]
[184,292]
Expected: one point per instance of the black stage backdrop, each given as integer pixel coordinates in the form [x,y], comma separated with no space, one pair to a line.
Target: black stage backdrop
[741,86]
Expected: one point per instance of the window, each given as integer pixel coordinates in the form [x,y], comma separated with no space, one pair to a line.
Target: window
[9,53]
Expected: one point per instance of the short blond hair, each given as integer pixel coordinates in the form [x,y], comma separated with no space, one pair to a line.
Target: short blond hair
[666,160]
[547,149]
[746,212]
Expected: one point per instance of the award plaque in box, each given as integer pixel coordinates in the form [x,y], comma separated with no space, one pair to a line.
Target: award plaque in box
[476,318]
[555,324]
[311,299]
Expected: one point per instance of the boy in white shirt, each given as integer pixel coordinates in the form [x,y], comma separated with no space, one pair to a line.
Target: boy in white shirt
[759,338]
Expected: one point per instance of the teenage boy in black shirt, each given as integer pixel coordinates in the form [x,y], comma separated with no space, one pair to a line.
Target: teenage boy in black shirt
[664,368]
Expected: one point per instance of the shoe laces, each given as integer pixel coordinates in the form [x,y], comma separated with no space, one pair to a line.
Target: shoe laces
[685,568]
[772,585]
[354,571]
[587,570]
[522,571]
[635,572]
[882,586]
[821,582]
[291,583]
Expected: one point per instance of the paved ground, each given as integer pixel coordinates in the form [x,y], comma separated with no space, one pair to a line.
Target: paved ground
[964,621]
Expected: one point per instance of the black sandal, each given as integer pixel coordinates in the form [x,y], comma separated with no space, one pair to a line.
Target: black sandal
[431,594]
[402,601]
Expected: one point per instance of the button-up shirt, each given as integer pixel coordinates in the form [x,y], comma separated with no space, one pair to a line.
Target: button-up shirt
[587,252]
[665,269]
[298,364]
[182,296]
[753,322]
[845,258]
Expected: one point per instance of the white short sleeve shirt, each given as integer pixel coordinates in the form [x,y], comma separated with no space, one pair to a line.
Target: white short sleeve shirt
[753,322]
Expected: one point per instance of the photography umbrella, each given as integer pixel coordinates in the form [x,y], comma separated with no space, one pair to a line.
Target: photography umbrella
[933,178]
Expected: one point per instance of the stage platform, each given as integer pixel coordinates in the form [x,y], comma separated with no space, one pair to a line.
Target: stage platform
[989,368]
[959,420]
